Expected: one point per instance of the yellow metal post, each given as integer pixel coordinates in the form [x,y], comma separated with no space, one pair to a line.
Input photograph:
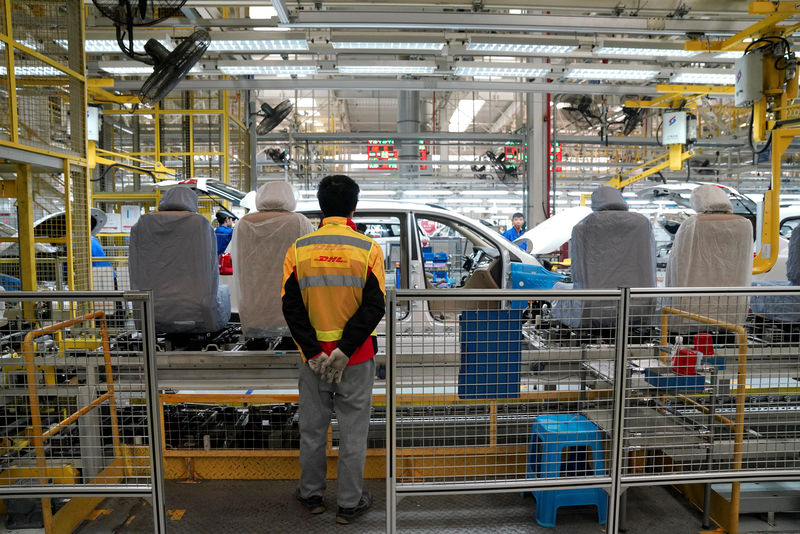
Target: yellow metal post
[11,88]
[27,250]
[768,254]
[68,226]
[225,158]
[675,160]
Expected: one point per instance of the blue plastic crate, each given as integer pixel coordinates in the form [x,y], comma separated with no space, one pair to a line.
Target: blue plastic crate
[491,343]
[662,378]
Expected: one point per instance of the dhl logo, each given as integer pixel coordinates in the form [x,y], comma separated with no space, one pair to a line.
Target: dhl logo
[330,259]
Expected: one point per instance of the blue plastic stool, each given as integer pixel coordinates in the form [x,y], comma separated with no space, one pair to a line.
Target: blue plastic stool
[566,445]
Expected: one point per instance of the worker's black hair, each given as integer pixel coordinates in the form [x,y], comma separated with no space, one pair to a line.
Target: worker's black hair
[517,214]
[222,215]
[337,195]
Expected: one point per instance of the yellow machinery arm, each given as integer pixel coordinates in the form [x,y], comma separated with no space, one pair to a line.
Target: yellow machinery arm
[675,157]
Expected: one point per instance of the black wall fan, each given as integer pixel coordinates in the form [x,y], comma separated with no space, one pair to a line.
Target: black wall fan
[503,171]
[272,116]
[170,67]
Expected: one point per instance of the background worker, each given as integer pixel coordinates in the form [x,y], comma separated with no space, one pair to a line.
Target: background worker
[224,231]
[513,233]
[333,299]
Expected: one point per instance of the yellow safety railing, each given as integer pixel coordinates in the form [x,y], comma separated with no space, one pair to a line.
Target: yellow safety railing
[38,436]
[741,375]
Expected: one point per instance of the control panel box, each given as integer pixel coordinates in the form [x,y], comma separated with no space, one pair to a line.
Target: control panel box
[673,128]
[749,79]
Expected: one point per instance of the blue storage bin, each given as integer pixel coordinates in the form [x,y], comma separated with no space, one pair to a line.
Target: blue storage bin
[524,276]
[491,342]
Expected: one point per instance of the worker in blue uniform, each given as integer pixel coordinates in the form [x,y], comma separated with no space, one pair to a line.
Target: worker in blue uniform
[517,222]
[224,231]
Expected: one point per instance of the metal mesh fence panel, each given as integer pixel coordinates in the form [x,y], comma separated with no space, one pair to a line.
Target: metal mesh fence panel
[484,398]
[79,210]
[75,397]
[714,392]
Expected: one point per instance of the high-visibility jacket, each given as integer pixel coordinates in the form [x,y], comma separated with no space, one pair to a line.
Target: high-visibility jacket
[332,267]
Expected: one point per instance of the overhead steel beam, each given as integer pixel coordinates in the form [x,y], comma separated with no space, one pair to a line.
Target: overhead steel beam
[524,23]
[35,160]
[650,141]
[384,84]
[413,136]
[280,9]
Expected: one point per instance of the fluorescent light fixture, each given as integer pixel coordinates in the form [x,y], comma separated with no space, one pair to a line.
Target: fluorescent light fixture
[733,54]
[643,48]
[262,12]
[704,76]
[388,67]
[97,46]
[594,71]
[131,68]
[514,70]
[43,70]
[428,192]
[376,193]
[521,45]
[228,42]
[363,41]
[465,112]
[497,192]
[275,68]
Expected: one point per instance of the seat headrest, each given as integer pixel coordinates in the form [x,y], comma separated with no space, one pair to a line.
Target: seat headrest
[178,198]
[607,198]
[276,196]
[709,198]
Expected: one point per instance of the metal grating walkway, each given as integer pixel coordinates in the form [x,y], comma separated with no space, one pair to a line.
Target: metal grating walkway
[244,507]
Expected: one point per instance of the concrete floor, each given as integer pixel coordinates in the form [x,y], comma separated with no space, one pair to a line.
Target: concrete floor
[245,507]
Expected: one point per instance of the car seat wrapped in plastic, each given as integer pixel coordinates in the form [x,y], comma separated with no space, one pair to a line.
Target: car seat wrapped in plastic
[782,308]
[612,247]
[260,242]
[712,249]
[173,252]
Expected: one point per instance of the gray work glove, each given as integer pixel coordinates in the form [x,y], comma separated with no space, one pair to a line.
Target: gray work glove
[333,366]
[316,363]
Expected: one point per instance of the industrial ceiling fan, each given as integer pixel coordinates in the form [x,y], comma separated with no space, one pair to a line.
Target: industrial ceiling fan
[272,116]
[169,67]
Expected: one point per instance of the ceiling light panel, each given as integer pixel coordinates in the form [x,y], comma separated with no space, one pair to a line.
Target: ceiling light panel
[513,70]
[242,68]
[646,49]
[388,67]
[363,41]
[260,45]
[97,46]
[734,54]
[520,45]
[130,68]
[21,70]
[586,71]
[704,76]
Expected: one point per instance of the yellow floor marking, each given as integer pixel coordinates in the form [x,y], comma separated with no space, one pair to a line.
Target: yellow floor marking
[97,513]
[176,515]
[130,520]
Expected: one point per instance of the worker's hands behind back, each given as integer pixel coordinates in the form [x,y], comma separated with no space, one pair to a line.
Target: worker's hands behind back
[316,363]
[333,366]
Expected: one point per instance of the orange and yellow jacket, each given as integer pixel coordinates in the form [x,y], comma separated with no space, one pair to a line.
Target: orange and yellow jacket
[333,291]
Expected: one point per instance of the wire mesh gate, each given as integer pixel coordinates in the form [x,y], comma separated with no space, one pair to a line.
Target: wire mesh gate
[78,391]
[577,396]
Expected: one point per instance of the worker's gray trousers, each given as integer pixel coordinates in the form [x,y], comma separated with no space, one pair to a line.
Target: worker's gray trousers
[352,400]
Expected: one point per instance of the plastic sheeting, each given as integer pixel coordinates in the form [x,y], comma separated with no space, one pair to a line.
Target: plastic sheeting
[793,260]
[173,252]
[260,242]
[782,308]
[712,249]
[610,248]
